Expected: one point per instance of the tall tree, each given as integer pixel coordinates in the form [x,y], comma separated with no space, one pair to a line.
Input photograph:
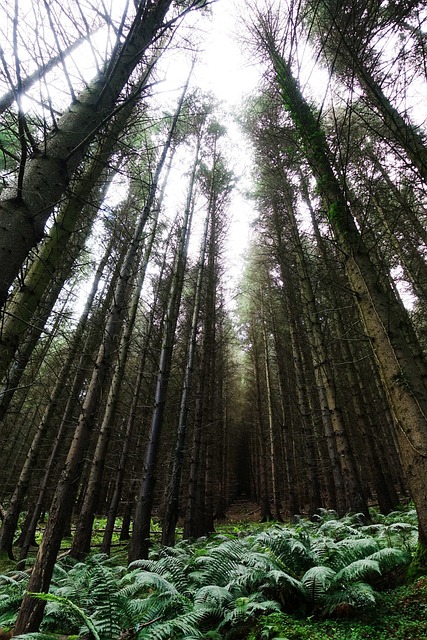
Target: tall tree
[31,612]
[386,322]
[49,171]
[141,530]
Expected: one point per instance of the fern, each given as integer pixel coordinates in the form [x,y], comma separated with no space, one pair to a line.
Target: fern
[172,567]
[246,608]
[316,582]
[184,625]
[213,596]
[390,558]
[13,586]
[287,584]
[358,570]
[50,597]
[355,596]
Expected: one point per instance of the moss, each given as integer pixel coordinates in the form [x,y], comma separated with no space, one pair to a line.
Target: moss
[6,564]
[333,212]
[418,566]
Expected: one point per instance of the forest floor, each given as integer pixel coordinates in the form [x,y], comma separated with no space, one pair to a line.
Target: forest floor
[400,610]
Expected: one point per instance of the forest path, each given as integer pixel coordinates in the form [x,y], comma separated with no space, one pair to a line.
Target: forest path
[243,509]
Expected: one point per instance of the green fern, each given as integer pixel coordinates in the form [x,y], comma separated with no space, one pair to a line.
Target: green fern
[182,626]
[316,582]
[356,596]
[50,597]
[389,558]
[13,586]
[246,608]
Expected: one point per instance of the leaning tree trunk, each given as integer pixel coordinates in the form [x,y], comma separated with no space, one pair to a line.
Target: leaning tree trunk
[386,322]
[48,173]
[78,213]
[374,461]
[31,611]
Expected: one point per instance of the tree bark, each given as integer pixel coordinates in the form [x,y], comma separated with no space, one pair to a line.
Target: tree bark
[48,173]
[400,364]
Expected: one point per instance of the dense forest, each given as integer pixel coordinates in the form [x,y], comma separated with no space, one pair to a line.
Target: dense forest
[142,389]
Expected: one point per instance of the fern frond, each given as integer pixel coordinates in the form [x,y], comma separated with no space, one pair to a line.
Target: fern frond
[50,597]
[246,580]
[154,580]
[147,565]
[287,583]
[185,624]
[358,595]
[390,558]
[352,549]
[16,577]
[337,529]
[213,595]
[294,553]
[215,569]
[316,582]
[248,607]
[358,570]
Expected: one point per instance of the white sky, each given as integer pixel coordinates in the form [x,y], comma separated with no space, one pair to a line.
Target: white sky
[230,75]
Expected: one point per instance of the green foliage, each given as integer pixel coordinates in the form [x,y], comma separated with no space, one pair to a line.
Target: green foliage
[222,586]
[12,590]
[418,566]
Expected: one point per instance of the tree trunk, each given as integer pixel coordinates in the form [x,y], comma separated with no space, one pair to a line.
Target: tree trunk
[172,507]
[49,265]
[82,537]
[130,426]
[48,173]
[386,323]
[141,530]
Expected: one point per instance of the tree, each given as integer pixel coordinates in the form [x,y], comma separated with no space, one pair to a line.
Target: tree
[48,173]
[141,531]
[386,322]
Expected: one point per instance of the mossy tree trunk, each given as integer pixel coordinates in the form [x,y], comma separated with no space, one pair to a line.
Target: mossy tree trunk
[386,323]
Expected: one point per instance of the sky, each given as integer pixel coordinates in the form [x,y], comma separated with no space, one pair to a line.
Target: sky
[231,74]
[224,69]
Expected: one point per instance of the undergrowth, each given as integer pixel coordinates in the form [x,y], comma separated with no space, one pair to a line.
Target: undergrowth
[320,578]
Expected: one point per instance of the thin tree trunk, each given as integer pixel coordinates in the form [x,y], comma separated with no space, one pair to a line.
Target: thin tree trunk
[172,506]
[271,435]
[57,392]
[82,537]
[48,173]
[130,426]
[141,530]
